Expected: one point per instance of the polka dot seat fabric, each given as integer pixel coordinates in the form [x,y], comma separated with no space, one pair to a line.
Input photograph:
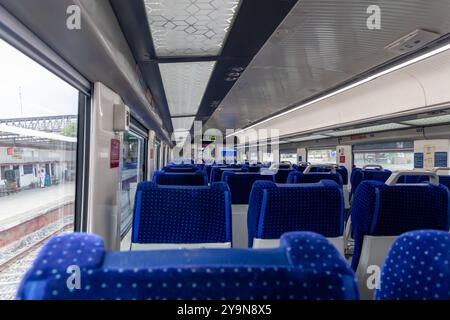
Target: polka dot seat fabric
[299,177]
[305,267]
[182,214]
[198,178]
[341,170]
[417,267]
[241,183]
[217,172]
[282,175]
[382,210]
[358,175]
[275,209]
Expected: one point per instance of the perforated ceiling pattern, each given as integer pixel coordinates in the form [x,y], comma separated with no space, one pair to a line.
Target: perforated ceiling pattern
[190,27]
[185,85]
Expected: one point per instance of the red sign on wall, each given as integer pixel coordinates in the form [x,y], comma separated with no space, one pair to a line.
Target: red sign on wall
[10,151]
[114,157]
[152,154]
[342,159]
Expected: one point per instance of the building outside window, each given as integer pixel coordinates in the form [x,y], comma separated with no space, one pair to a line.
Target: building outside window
[38,143]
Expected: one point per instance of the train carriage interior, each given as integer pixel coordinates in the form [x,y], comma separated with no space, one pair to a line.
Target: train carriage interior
[224,150]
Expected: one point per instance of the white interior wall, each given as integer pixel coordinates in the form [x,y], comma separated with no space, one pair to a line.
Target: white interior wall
[104,182]
[422,84]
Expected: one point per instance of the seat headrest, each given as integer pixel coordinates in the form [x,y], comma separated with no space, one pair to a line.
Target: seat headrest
[417,267]
[299,177]
[305,267]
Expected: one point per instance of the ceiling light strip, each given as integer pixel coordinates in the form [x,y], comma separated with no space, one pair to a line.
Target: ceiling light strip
[353,85]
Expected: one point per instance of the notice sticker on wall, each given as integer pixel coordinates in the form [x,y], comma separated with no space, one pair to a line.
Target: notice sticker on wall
[418,160]
[114,157]
[440,159]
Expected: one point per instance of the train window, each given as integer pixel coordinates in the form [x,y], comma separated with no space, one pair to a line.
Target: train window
[322,155]
[133,163]
[288,157]
[38,144]
[267,157]
[392,156]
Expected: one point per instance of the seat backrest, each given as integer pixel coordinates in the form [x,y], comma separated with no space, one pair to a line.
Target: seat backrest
[216,172]
[444,180]
[313,177]
[253,168]
[285,166]
[358,175]
[281,175]
[275,209]
[417,267]
[384,210]
[180,169]
[198,178]
[241,183]
[182,214]
[314,272]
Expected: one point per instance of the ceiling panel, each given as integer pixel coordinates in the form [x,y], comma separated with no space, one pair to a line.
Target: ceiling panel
[185,85]
[190,27]
[321,44]
[381,127]
[429,121]
[308,138]
[183,124]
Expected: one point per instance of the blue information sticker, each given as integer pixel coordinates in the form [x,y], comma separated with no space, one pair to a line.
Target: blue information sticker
[418,160]
[440,159]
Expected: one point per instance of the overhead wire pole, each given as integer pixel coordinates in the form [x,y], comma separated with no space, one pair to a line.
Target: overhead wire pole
[21,104]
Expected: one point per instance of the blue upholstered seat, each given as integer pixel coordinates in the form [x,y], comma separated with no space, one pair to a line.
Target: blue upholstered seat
[275,209]
[198,178]
[241,183]
[358,175]
[216,172]
[299,177]
[382,210]
[417,267]
[341,170]
[256,168]
[282,175]
[304,267]
[182,214]
[445,180]
[181,169]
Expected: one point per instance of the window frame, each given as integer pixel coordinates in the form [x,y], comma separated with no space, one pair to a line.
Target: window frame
[16,34]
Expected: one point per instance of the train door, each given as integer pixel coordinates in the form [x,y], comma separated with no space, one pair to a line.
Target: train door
[132,173]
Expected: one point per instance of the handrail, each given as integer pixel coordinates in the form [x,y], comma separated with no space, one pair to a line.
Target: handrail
[436,169]
[376,166]
[393,179]
[333,167]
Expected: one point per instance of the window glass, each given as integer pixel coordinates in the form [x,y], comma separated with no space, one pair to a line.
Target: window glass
[288,157]
[322,156]
[392,160]
[38,142]
[267,157]
[132,174]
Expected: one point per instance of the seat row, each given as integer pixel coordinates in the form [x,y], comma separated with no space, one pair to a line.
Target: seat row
[202,216]
[304,267]
[240,182]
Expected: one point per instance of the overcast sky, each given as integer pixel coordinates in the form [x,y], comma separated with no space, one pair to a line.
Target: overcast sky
[43,94]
